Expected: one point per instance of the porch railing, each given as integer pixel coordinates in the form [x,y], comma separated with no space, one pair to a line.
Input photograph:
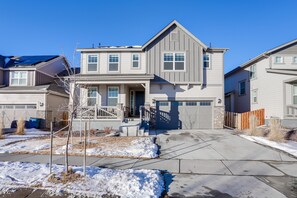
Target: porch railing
[99,112]
[291,111]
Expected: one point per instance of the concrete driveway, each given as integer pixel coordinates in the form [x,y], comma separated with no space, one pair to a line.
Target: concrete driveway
[218,163]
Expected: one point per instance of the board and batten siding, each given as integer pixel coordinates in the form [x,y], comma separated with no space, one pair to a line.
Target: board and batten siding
[42,79]
[1,77]
[182,43]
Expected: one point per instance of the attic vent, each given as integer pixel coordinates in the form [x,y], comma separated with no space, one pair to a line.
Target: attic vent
[173,36]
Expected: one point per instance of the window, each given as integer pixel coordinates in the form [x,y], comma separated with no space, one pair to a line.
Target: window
[254,96]
[295,59]
[18,78]
[191,103]
[174,61]
[92,63]
[92,96]
[253,72]
[241,88]
[135,60]
[205,103]
[163,104]
[18,106]
[113,94]
[206,61]
[113,62]
[278,59]
[295,94]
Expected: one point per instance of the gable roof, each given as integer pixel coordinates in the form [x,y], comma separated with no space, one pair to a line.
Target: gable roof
[261,57]
[174,22]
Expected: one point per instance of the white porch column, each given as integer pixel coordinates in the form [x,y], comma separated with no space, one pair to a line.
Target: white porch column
[147,92]
[122,94]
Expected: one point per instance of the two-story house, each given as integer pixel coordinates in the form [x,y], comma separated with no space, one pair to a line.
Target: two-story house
[174,73]
[28,88]
[268,81]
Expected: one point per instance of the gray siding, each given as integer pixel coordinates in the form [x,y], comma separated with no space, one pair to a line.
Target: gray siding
[1,77]
[291,49]
[182,43]
[42,79]
[31,81]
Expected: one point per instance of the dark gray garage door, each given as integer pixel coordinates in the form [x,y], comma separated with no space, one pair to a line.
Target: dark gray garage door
[184,114]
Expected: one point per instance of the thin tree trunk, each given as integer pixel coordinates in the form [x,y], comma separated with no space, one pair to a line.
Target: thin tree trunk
[67,143]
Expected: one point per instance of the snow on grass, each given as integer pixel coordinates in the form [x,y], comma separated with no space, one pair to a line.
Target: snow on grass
[98,181]
[136,147]
[289,146]
[29,133]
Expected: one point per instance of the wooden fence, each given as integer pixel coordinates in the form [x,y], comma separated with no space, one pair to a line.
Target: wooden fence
[241,121]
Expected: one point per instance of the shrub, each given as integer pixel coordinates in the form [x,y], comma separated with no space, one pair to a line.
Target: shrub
[253,130]
[107,130]
[275,133]
[20,127]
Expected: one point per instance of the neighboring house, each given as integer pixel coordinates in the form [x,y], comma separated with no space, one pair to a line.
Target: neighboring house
[177,75]
[267,81]
[29,88]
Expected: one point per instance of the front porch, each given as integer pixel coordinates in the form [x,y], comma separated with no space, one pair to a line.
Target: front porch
[290,96]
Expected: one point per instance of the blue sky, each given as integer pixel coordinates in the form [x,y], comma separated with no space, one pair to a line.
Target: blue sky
[248,27]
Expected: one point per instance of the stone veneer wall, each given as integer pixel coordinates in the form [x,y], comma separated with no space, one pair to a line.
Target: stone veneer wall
[219,117]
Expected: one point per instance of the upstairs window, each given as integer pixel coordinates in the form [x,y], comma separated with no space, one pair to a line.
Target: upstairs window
[206,61]
[241,88]
[278,59]
[295,59]
[174,61]
[253,72]
[92,96]
[18,78]
[295,94]
[135,60]
[113,62]
[92,63]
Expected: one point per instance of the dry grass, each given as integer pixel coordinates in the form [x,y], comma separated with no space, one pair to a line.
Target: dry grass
[275,133]
[253,130]
[107,130]
[1,129]
[64,177]
[20,127]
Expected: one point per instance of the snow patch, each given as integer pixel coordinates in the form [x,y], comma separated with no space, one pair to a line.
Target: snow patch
[289,146]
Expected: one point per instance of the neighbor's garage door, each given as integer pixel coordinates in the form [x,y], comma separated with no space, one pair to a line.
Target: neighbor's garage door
[184,115]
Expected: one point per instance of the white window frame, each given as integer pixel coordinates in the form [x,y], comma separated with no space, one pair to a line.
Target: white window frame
[173,69]
[135,61]
[18,78]
[97,68]
[119,60]
[253,71]
[281,58]
[254,95]
[96,97]
[113,97]
[209,67]
[294,59]
[239,89]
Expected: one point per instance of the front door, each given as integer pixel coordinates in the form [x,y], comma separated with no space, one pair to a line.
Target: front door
[139,101]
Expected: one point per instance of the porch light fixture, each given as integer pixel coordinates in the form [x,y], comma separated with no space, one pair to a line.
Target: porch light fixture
[219,101]
[41,104]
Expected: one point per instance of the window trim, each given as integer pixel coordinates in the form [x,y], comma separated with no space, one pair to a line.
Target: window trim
[175,52]
[282,60]
[10,78]
[97,68]
[293,60]
[96,97]
[239,93]
[209,61]
[118,88]
[119,60]
[255,72]
[252,96]
[132,61]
